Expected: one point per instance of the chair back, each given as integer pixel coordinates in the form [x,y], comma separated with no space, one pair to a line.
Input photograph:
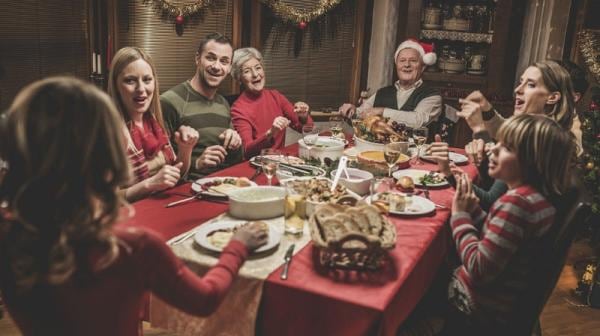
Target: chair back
[572,212]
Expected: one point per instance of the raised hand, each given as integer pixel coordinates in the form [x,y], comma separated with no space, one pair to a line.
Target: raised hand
[478,97]
[476,151]
[438,152]
[301,109]
[231,139]
[186,138]
[211,157]
[279,124]
[471,112]
[464,198]
[253,235]
[167,177]
[347,110]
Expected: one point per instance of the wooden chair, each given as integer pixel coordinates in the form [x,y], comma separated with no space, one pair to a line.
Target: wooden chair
[572,212]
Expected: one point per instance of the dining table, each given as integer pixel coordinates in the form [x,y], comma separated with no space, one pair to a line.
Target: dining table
[315,300]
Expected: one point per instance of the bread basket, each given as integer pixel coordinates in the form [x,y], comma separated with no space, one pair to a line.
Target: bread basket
[351,237]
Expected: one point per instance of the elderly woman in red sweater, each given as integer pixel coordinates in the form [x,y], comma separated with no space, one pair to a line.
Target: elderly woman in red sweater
[261,115]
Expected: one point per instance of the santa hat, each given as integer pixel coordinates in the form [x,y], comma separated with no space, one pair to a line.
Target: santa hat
[424,49]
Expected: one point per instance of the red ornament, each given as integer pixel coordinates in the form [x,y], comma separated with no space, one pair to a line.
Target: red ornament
[302,24]
[179,19]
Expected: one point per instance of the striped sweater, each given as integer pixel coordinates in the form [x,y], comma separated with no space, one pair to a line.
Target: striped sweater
[182,105]
[497,253]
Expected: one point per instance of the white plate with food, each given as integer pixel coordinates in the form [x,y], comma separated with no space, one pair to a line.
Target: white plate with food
[287,159]
[403,204]
[220,186]
[216,235]
[421,177]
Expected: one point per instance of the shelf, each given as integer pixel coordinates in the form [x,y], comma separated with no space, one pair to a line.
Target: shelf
[456,36]
[455,78]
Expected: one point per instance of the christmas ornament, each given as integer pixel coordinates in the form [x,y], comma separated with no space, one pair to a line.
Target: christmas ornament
[180,13]
[294,15]
[589,165]
[179,20]
[302,25]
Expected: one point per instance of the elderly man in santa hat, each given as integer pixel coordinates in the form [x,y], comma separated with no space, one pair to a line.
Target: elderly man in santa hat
[408,101]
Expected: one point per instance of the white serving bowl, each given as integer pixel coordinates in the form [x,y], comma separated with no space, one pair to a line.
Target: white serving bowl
[359,182]
[326,147]
[259,202]
[364,145]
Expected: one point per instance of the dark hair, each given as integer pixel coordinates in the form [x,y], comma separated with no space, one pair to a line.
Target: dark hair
[580,84]
[217,37]
[64,149]
[557,79]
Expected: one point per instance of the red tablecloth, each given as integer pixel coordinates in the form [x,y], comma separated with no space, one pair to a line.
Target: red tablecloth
[318,302]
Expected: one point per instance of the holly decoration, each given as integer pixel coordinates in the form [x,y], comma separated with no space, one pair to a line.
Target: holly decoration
[590,161]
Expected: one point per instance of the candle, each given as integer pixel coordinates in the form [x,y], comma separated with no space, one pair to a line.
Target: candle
[99,63]
[94,66]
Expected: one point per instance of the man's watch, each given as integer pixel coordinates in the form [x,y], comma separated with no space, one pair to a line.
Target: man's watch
[489,114]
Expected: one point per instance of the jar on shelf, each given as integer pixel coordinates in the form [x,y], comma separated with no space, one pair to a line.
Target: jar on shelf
[432,17]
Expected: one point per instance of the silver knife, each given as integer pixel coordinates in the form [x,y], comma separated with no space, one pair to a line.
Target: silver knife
[288,258]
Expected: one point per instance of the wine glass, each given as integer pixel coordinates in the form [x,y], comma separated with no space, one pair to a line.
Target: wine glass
[336,126]
[420,137]
[391,153]
[270,162]
[310,135]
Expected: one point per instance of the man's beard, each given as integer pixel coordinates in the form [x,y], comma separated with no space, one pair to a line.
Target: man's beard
[204,82]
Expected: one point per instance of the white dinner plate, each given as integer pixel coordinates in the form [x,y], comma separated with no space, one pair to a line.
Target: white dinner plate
[457,158]
[416,174]
[454,157]
[288,159]
[201,236]
[419,206]
[198,185]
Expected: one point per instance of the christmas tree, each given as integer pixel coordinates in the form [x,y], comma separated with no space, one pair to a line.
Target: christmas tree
[590,160]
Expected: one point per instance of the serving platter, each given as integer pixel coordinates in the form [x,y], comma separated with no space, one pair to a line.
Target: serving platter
[287,159]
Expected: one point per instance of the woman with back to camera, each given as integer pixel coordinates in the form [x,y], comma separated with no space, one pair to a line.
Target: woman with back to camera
[64,269]
[133,86]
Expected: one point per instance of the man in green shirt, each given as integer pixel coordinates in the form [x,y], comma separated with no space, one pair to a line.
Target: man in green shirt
[197,104]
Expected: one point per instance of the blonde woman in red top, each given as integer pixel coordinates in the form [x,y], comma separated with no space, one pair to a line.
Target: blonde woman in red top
[64,269]
[133,86]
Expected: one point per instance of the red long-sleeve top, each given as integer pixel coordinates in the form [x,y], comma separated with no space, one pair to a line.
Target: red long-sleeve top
[110,301]
[252,116]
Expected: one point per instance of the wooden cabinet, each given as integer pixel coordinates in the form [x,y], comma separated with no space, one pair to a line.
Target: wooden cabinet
[477,44]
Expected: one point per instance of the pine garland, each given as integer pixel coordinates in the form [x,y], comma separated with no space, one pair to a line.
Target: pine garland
[168,9]
[295,15]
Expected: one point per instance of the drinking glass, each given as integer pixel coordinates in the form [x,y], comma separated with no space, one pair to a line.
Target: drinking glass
[420,137]
[392,152]
[294,211]
[336,126]
[270,162]
[310,135]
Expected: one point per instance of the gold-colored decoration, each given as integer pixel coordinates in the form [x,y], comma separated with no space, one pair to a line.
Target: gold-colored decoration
[589,46]
[188,10]
[289,13]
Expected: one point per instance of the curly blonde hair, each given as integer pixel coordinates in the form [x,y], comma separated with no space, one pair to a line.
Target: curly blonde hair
[64,148]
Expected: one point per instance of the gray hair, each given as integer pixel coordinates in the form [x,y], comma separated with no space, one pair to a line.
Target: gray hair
[240,57]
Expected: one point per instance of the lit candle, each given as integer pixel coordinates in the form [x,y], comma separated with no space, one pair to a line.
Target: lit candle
[99,63]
